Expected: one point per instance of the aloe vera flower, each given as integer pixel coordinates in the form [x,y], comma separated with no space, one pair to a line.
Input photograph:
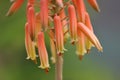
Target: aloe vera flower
[61,20]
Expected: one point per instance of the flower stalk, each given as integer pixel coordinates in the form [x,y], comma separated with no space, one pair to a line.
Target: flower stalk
[59,68]
[60,25]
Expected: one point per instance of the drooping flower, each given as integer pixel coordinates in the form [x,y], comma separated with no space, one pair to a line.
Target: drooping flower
[31,21]
[88,24]
[30,46]
[37,24]
[52,46]
[59,35]
[42,52]
[14,7]
[90,35]
[80,45]
[64,22]
[80,7]
[73,23]
[44,14]
[59,24]
[94,4]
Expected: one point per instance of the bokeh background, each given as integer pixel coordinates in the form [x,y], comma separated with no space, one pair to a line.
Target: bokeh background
[96,66]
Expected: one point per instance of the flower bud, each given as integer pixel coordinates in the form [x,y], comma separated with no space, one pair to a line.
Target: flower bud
[94,5]
[90,35]
[59,34]
[73,23]
[44,14]
[14,7]
[30,47]
[42,52]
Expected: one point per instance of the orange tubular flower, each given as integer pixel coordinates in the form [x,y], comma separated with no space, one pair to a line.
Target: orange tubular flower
[42,52]
[59,35]
[89,25]
[81,50]
[80,10]
[64,24]
[30,47]
[73,23]
[90,35]
[44,13]
[15,6]
[52,46]
[74,2]
[32,2]
[94,4]
[31,21]
[59,3]
[38,24]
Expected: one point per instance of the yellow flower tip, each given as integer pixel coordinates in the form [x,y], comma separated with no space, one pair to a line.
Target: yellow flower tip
[53,60]
[101,49]
[28,58]
[45,68]
[90,35]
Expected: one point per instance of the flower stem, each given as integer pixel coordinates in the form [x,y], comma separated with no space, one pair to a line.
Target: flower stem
[59,68]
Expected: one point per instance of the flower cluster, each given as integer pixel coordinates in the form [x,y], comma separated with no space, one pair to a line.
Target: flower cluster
[59,25]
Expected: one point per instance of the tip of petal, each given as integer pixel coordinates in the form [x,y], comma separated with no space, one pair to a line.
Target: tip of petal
[9,13]
[101,49]
[28,58]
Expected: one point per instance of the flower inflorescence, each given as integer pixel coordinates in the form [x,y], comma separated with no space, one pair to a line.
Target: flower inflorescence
[59,25]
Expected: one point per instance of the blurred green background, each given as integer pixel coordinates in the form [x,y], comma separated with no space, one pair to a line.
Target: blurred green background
[96,66]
